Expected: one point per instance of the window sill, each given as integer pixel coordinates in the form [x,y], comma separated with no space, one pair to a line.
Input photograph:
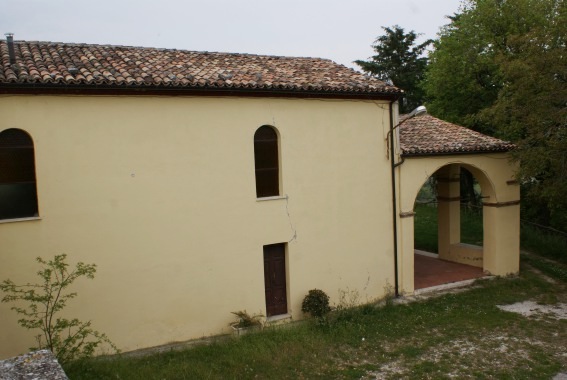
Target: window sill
[14,220]
[271,198]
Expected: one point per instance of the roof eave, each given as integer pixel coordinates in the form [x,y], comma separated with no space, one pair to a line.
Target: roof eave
[459,153]
[102,89]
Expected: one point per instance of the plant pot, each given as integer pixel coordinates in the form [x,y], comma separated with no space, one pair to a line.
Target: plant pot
[239,331]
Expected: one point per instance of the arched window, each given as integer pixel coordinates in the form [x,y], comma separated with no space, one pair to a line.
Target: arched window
[266,162]
[18,196]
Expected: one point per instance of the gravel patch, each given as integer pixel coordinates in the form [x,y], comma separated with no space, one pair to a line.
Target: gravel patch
[466,354]
[531,308]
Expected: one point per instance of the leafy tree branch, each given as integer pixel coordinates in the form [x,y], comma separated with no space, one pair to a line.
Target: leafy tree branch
[68,339]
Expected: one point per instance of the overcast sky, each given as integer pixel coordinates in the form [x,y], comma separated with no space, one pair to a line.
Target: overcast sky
[341,30]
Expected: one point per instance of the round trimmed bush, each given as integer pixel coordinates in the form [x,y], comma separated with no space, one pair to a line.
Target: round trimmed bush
[316,303]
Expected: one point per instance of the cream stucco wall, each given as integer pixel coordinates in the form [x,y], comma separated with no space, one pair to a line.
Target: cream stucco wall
[159,192]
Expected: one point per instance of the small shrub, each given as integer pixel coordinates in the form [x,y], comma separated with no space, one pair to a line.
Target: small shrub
[316,303]
[246,320]
[68,339]
[348,299]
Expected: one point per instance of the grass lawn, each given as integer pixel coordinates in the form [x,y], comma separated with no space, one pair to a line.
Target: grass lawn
[548,244]
[461,335]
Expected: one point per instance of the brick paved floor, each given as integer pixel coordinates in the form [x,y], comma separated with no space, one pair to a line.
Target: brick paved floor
[429,271]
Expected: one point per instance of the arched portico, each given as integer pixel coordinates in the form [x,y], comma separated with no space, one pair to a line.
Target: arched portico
[501,213]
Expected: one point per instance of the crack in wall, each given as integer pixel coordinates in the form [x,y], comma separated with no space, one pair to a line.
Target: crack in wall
[294,236]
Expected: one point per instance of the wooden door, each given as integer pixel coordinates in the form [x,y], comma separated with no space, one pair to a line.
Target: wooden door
[275,279]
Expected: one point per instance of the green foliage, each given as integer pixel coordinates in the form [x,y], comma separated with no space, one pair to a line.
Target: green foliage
[425,227]
[68,339]
[531,108]
[351,315]
[246,320]
[316,303]
[543,242]
[499,67]
[550,268]
[472,229]
[400,59]
[461,78]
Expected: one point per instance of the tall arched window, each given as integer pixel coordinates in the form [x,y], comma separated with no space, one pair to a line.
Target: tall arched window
[266,162]
[18,195]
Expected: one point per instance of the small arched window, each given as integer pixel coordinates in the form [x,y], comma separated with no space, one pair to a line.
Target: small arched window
[18,194]
[266,162]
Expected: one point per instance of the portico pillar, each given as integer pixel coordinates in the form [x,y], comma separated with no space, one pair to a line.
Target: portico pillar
[501,237]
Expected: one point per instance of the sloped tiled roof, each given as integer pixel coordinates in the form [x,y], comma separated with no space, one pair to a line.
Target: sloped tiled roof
[84,66]
[427,135]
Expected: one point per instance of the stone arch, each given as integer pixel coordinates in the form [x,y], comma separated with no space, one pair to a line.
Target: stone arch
[495,174]
[485,182]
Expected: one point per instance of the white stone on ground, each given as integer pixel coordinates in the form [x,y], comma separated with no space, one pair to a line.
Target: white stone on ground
[530,308]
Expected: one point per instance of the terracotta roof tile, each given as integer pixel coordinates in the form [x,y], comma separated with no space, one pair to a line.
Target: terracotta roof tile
[64,64]
[427,135]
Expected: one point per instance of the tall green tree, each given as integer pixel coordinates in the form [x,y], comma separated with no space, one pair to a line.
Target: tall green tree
[500,67]
[531,110]
[400,59]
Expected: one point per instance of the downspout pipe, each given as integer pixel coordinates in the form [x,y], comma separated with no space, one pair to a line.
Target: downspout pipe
[394,201]
[393,165]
